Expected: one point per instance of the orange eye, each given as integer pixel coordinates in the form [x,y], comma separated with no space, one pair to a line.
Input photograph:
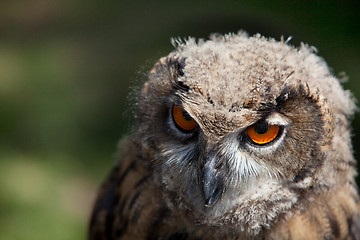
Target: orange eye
[183,119]
[262,132]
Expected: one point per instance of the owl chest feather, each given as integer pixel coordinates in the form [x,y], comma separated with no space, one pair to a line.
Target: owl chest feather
[139,208]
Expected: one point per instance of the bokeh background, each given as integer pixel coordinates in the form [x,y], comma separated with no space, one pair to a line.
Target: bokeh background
[67,68]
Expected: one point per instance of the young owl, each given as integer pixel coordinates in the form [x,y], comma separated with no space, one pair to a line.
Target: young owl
[236,137]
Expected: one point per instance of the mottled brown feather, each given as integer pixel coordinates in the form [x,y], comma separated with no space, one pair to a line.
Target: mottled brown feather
[300,186]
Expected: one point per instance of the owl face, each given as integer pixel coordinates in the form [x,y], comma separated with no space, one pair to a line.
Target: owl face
[235,120]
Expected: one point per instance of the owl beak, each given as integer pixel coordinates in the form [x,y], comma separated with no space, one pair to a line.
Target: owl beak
[213,182]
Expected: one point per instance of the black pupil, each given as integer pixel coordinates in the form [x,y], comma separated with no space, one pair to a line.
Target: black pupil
[261,127]
[186,115]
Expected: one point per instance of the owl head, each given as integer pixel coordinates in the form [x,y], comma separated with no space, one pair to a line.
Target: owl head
[241,128]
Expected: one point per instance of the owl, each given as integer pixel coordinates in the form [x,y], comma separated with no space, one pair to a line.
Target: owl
[236,137]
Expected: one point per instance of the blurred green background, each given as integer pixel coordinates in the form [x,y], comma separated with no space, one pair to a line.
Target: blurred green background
[67,68]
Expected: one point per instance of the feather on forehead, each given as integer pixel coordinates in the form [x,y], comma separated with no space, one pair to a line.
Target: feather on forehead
[234,63]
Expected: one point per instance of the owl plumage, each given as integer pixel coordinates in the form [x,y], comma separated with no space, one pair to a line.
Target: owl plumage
[236,137]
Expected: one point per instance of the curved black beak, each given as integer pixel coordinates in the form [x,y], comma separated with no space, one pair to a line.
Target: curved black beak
[213,181]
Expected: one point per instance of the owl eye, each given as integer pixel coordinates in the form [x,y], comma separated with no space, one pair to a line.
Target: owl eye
[262,133]
[182,119]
